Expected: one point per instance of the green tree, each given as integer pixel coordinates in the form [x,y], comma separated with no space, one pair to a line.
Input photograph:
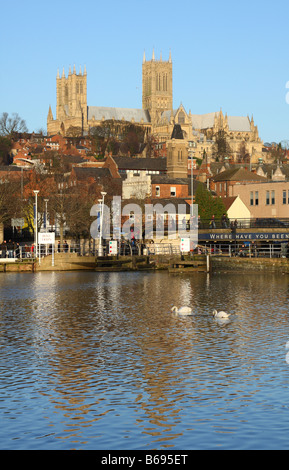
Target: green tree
[208,205]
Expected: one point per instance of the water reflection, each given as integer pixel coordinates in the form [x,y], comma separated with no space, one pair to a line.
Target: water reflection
[97,360]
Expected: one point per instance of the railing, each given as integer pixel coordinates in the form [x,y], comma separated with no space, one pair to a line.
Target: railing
[162,249]
[266,222]
[27,253]
[17,252]
[268,250]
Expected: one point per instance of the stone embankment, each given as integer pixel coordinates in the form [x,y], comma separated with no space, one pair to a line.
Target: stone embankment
[172,263]
[237,264]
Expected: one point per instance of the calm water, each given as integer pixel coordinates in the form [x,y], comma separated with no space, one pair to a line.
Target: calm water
[98,361]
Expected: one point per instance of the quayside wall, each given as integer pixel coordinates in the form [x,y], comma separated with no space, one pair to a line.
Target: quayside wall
[238,264]
[73,262]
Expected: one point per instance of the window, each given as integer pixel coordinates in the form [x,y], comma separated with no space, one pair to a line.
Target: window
[256,198]
[284,196]
[158,191]
[272,201]
[173,191]
[251,198]
[181,118]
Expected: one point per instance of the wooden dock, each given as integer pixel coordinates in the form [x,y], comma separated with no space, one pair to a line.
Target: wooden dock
[127,263]
[200,263]
[14,265]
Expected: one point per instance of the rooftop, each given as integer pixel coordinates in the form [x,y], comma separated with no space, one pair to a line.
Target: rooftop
[238,174]
[206,121]
[126,114]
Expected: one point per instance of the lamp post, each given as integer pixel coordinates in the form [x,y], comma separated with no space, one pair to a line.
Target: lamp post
[46,246]
[46,201]
[36,191]
[192,193]
[101,201]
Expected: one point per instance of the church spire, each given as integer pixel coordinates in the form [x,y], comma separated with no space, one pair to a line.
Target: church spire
[153,58]
[144,57]
[170,57]
[50,115]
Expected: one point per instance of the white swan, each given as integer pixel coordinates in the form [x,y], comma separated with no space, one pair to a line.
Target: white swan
[182,310]
[221,314]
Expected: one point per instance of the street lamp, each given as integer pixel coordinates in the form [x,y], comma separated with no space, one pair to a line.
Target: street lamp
[36,191]
[46,201]
[46,246]
[101,201]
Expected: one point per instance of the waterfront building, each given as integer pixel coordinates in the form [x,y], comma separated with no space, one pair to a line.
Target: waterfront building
[266,199]
[223,181]
[236,208]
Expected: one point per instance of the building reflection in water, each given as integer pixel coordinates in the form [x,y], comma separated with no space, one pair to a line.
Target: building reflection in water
[112,357]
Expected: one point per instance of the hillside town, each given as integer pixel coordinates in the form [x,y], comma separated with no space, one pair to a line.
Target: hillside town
[144,228]
[56,164]
[156,154]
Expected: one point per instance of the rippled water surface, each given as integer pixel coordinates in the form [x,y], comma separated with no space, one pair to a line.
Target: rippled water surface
[98,361]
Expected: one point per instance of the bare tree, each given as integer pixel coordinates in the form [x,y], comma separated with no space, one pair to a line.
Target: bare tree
[221,148]
[5,150]
[9,125]
[114,135]
[243,154]
[9,201]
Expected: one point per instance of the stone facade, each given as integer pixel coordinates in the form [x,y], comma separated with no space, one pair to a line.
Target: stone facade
[71,104]
[157,115]
[177,154]
[241,133]
[136,186]
[264,199]
[157,88]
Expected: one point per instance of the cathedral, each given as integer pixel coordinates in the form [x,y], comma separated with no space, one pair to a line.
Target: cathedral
[75,117]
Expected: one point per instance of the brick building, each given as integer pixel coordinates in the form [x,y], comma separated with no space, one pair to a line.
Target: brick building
[222,182]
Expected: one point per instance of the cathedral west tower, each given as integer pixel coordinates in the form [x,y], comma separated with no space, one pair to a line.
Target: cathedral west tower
[71,103]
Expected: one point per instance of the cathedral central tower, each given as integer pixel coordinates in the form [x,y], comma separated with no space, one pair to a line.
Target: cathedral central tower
[157,87]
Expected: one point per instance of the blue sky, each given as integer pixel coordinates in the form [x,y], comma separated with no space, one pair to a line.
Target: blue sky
[228,55]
